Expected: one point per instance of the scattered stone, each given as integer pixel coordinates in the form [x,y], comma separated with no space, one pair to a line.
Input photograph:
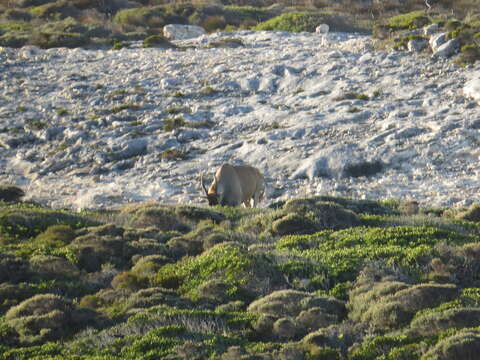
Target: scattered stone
[182,32]
[135,147]
[93,128]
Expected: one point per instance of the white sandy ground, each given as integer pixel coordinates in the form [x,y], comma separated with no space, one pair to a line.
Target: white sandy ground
[276,104]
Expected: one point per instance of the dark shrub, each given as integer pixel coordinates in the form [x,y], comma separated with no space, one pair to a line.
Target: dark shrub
[195,214]
[292,224]
[44,317]
[284,328]
[129,281]
[181,246]
[157,41]
[472,214]
[56,236]
[162,218]
[305,21]
[434,322]
[465,345]
[146,298]
[52,267]
[325,215]
[12,268]
[10,193]
[55,10]
[17,223]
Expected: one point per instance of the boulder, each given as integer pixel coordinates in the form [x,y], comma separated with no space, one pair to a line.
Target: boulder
[337,162]
[322,29]
[447,49]
[430,29]
[182,32]
[472,88]
[437,40]
[416,45]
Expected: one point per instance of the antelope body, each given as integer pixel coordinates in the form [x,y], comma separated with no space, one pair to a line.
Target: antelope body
[234,185]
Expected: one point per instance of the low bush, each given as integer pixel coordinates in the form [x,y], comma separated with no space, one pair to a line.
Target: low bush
[163,218]
[304,21]
[464,344]
[21,223]
[10,193]
[45,317]
[245,273]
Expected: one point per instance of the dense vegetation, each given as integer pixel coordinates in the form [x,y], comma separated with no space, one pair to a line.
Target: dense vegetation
[113,23]
[316,278]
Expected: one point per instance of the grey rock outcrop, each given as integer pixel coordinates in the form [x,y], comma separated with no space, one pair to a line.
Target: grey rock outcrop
[437,40]
[447,49]
[417,45]
[182,32]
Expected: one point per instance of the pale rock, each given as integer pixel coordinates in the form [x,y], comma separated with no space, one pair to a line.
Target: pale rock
[322,29]
[134,147]
[168,83]
[472,88]
[182,32]
[187,135]
[447,49]
[430,29]
[337,161]
[437,40]
[416,45]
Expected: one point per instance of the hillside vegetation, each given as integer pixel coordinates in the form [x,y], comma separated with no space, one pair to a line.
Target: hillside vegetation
[107,23]
[312,278]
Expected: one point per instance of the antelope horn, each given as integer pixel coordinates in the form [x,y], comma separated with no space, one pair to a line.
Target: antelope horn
[203,185]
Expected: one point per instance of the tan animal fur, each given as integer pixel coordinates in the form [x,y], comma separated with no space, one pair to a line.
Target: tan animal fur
[234,185]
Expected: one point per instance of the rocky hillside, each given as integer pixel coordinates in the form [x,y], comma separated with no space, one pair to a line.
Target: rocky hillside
[325,115]
[313,279]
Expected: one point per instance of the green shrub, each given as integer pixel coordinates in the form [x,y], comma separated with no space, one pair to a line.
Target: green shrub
[389,306]
[56,236]
[129,281]
[223,43]
[21,223]
[380,345]
[473,212]
[243,271]
[182,246]
[173,123]
[464,344]
[52,267]
[293,223]
[14,40]
[305,307]
[470,54]
[434,322]
[304,21]
[411,20]
[17,14]
[44,317]
[149,265]
[12,268]
[55,10]
[163,218]
[146,17]
[241,15]
[157,41]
